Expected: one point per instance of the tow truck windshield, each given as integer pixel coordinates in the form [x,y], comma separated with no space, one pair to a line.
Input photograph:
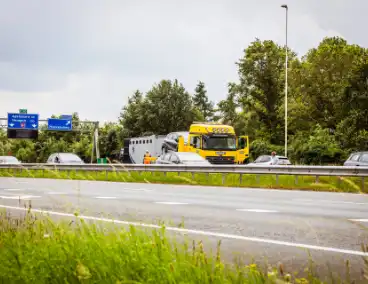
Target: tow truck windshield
[226,143]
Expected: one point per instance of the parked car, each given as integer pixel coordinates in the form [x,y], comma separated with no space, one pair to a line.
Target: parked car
[9,160]
[184,158]
[64,158]
[357,159]
[171,141]
[268,160]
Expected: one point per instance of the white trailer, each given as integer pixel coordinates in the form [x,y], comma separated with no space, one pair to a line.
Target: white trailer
[135,148]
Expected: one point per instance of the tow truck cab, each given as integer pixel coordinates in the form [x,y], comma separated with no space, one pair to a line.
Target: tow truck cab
[217,143]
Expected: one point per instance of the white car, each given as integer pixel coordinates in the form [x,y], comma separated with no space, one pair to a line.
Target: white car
[64,158]
[268,160]
[9,160]
[182,158]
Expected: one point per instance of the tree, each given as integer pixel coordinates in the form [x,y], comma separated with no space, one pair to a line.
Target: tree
[261,88]
[228,107]
[232,114]
[324,77]
[110,140]
[352,131]
[5,144]
[167,108]
[317,147]
[131,116]
[201,102]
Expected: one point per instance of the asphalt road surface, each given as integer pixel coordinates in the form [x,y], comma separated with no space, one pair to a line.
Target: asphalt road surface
[273,226]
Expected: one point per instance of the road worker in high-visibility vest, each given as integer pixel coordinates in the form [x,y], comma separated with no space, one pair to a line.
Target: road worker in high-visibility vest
[147,158]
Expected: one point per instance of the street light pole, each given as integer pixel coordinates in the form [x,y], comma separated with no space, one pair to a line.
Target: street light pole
[286,79]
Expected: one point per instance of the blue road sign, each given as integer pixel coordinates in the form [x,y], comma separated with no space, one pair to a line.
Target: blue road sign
[57,124]
[22,121]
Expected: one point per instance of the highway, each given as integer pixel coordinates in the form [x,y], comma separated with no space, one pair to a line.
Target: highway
[267,225]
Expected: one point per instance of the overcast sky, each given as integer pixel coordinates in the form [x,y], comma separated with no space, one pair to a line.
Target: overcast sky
[88,56]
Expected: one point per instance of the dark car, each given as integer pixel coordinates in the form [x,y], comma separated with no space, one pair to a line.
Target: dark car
[184,158]
[357,159]
[171,141]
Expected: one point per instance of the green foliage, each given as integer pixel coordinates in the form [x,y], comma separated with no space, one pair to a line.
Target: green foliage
[320,147]
[132,115]
[228,107]
[352,130]
[110,140]
[326,73]
[201,102]
[261,88]
[167,107]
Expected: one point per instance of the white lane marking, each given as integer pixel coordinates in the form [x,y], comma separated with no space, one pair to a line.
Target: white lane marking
[359,220]
[19,197]
[195,232]
[105,197]
[55,192]
[11,189]
[258,210]
[138,189]
[171,203]
[330,201]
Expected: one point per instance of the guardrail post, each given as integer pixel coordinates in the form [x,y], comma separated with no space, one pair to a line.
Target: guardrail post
[240,179]
[257,179]
[277,179]
[339,181]
[363,185]
[317,179]
[223,179]
[296,179]
[106,175]
[164,174]
[192,176]
[179,174]
[208,177]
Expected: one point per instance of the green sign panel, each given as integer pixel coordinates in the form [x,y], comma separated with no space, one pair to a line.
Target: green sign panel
[101,161]
[23,110]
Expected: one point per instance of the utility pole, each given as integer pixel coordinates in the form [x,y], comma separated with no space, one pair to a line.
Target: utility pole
[286,79]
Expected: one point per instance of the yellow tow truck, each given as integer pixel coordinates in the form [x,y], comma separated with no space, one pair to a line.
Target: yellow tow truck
[217,143]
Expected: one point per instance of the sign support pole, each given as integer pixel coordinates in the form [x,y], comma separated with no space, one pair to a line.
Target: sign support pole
[96,141]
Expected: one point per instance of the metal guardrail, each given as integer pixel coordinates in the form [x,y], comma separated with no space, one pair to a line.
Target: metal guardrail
[222,169]
[296,171]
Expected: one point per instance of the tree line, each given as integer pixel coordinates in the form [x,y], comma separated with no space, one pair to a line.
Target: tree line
[327,107]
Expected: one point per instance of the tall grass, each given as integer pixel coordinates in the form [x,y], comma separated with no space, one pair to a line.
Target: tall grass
[41,251]
[333,184]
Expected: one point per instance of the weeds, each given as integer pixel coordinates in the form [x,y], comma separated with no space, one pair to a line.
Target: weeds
[37,250]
